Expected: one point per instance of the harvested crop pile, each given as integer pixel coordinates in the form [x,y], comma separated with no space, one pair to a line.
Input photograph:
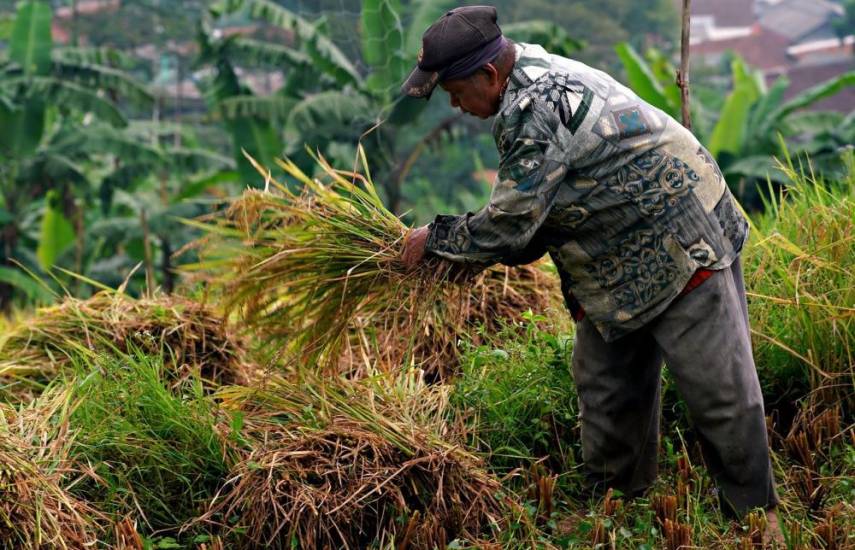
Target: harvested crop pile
[189,334]
[36,509]
[498,296]
[310,269]
[343,464]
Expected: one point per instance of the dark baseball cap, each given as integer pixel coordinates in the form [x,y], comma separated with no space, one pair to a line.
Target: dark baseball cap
[452,37]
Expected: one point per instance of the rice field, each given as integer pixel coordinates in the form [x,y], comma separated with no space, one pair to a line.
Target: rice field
[304,390]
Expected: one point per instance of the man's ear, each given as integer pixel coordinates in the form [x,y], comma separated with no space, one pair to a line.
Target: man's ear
[492,74]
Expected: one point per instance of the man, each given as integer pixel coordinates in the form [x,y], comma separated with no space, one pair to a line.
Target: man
[646,237]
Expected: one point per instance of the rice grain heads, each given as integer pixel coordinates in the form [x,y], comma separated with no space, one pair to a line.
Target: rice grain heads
[311,269]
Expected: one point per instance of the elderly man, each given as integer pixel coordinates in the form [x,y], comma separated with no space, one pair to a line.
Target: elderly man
[646,237]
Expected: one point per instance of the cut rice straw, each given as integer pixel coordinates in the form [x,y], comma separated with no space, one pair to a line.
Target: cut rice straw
[301,267]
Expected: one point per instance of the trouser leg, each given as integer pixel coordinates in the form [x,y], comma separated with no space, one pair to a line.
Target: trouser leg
[618,386]
[706,342]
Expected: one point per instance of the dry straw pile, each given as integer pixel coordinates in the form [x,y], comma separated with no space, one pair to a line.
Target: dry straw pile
[341,464]
[36,508]
[191,335]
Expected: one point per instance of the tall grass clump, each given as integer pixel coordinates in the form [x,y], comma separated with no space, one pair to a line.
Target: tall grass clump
[338,464]
[152,452]
[515,394]
[459,316]
[191,337]
[799,273]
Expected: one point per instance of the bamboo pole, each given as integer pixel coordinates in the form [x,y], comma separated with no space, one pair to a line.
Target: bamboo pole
[683,72]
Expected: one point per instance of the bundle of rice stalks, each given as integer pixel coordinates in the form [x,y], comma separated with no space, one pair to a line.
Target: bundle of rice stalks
[190,335]
[309,269]
[36,508]
[498,297]
[345,465]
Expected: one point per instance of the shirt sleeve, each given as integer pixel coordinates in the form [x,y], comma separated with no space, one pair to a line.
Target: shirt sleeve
[530,171]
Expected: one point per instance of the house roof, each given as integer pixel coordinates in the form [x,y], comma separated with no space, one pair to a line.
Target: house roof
[798,18]
[725,13]
[762,49]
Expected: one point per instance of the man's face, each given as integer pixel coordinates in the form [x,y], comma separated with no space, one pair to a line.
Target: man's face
[477,95]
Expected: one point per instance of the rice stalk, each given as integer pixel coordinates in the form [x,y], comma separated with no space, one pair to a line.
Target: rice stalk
[37,509]
[799,275]
[495,298]
[315,272]
[190,335]
[339,464]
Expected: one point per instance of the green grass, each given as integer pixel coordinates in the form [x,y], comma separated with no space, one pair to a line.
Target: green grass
[153,451]
[800,275]
[517,396]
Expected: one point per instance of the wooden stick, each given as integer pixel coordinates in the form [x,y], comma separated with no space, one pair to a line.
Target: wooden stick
[683,72]
[149,266]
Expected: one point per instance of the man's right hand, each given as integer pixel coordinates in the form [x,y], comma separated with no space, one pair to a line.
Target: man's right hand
[414,247]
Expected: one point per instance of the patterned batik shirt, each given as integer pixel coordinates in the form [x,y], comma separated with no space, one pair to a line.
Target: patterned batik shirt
[625,200]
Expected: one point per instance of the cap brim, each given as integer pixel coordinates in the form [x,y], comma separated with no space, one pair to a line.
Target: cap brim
[420,83]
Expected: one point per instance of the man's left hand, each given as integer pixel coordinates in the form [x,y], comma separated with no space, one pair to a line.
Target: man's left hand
[414,247]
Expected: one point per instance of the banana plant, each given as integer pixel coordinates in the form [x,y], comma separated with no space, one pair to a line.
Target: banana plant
[744,137]
[327,104]
[43,90]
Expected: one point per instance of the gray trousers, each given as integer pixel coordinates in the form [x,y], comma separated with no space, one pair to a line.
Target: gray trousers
[704,339]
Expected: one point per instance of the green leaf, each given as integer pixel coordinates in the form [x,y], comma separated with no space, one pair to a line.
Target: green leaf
[546,33]
[57,234]
[196,187]
[33,288]
[641,79]
[22,128]
[729,132]
[812,95]
[322,51]
[256,52]
[105,56]
[31,42]
[243,106]
[812,122]
[757,166]
[383,44]
[69,95]
[327,116]
[97,77]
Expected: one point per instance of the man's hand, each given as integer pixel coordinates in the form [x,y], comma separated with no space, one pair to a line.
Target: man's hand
[414,247]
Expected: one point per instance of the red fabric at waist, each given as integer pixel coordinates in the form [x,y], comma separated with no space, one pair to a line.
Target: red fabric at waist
[701,275]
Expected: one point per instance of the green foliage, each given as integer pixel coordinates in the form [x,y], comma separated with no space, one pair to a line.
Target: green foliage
[732,126]
[151,448]
[383,45]
[517,396]
[57,233]
[545,33]
[31,41]
[644,82]
[799,272]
